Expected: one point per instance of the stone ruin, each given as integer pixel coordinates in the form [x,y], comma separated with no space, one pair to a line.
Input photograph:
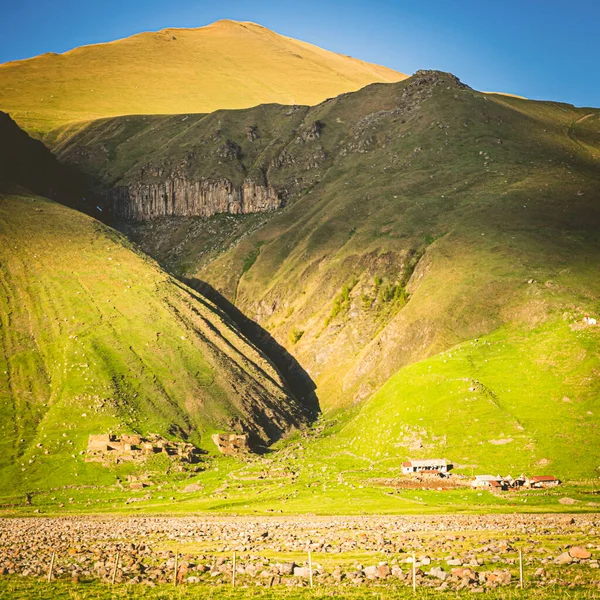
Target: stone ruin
[231,444]
[106,448]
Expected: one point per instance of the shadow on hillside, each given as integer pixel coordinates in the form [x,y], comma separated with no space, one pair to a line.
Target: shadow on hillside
[298,380]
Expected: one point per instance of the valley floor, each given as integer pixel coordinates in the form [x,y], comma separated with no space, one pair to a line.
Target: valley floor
[352,557]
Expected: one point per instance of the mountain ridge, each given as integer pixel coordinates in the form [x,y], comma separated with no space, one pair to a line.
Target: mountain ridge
[224,65]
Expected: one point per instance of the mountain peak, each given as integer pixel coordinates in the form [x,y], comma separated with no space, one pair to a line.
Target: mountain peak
[221,24]
[234,23]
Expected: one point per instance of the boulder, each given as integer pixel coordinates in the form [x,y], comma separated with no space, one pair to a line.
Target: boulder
[286,568]
[495,578]
[192,487]
[464,573]
[383,571]
[567,501]
[182,572]
[504,577]
[370,572]
[397,571]
[438,573]
[137,485]
[563,559]
[579,552]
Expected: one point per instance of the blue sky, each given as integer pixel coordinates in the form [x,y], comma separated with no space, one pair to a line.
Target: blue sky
[543,49]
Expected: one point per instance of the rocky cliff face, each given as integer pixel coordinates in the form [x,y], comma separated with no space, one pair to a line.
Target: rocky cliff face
[183,197]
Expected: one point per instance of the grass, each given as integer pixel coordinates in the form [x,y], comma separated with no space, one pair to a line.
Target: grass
[329,479]
[14,589]
[251,258]
[490,225]
[295,335]
[225,65]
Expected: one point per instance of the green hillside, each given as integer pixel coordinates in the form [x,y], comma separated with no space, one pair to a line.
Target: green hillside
[514,401]
[95,338]
[227,64]
[419,217]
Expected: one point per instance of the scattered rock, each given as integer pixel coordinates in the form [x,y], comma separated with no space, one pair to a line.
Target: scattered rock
[192,487]
[86,549]
[464,573]
[370,572]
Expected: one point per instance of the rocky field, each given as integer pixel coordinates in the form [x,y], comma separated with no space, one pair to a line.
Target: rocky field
[449,552]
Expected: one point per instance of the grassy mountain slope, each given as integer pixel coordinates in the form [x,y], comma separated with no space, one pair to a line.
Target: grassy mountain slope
[96,338]
[227,64]
[420,215]
[113,151]
[424,236]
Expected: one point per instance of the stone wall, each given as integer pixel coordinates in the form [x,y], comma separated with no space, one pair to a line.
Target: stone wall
[231,444]
[131,447]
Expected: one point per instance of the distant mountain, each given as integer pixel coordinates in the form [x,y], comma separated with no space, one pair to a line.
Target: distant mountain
[96,338]
[428,254]
[227,64]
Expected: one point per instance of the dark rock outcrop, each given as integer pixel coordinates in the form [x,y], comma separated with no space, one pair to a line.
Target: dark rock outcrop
[179,196]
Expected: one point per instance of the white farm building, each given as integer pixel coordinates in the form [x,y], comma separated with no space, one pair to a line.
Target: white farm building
[430,465]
